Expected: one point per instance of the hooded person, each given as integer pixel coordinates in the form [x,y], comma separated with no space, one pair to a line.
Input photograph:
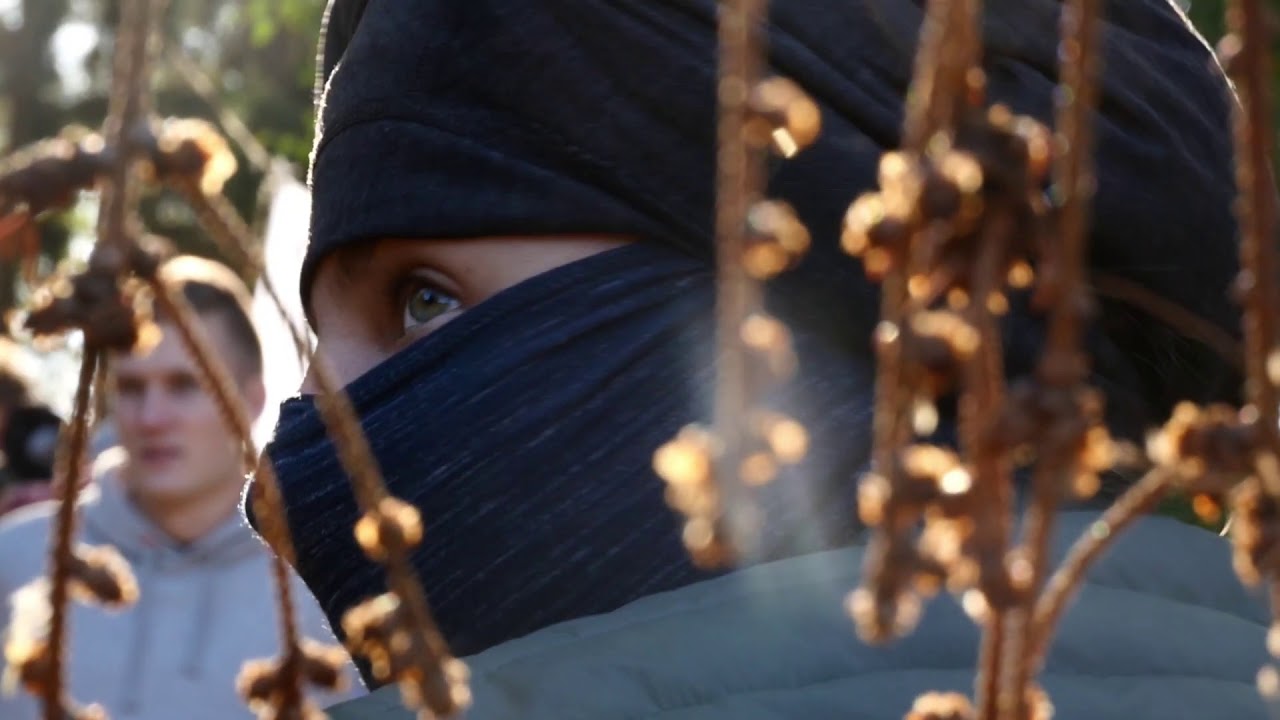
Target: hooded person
[511,268]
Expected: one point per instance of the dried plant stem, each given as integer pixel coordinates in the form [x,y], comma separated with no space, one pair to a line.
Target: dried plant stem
[950,46]
[1063,365]
[991,655]
[1066,580]
[339,417]
[358,460]
[927,95]
[1247,21]
[269,504]
[72,461]
[1080,54]
[738,187]
[128,105]
[200,83]
[993,484]
[232,234]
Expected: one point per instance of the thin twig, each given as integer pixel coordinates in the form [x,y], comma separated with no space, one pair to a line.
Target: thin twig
[269,504]
[993,481]
[738,187]
[233,236]
[72,463]
[128,106]
[200,83]
[1066,580]
[1256,209]
[339,417]
[1063,365]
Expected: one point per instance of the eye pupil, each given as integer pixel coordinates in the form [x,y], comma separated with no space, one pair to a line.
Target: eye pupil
[426,304]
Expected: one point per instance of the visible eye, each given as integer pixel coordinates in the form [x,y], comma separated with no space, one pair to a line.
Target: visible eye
[424,304]
[128,387]
[184,383]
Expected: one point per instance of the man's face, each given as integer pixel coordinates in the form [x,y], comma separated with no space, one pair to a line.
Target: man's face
[180,449]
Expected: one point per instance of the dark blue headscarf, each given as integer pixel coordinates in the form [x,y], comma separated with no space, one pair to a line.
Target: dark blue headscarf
[524,429]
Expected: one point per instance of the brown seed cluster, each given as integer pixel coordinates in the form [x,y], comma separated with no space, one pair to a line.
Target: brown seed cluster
[382,630]
[271,691]
[710,472]
[97,575]
[954,221]
[399,640]
[942,706]
[934,213]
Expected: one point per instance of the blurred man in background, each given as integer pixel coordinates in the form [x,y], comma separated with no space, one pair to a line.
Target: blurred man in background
[168,501]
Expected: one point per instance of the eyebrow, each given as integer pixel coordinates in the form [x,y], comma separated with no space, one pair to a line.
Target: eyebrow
[354,259]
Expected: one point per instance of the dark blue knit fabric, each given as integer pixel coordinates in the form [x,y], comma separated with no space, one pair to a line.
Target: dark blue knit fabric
[523,430]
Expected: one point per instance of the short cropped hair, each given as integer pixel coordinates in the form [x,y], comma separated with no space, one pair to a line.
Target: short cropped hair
[213,290]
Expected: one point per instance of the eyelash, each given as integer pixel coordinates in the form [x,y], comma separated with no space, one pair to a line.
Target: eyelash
[405,291]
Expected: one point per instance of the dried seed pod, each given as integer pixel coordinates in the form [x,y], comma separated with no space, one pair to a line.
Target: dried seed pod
[775,239]
[109,310]
[1038,705]
[770,344]
[29,664]
[372,628]
[270,689]
[48,174]
[937,344]
[876,235]
[380,629]
[100,574]
[978,187]
[950,191]
[394,524]
[322,664]
[786,438]
[1063,425]
[186,149]
[782,115]
[148,254]
[270,695]
[942,706]
[945,541]
[886,607]
[687,464]
[1255,532]
[1211,449]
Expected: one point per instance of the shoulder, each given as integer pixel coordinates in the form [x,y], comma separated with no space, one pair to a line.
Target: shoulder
[30,522]
[24,543]
[1161,630]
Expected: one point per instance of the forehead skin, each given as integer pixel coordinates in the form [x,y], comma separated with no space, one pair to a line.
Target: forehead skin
[170,355]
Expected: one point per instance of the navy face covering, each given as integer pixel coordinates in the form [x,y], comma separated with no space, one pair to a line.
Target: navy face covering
[524,430]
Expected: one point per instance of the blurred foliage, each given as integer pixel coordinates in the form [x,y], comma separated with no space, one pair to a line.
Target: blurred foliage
[258,54]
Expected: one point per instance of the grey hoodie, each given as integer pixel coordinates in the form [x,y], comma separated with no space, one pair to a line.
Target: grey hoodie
[203,609]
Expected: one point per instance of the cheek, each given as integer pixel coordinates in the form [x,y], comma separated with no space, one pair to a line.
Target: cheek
[125,416]
[348,357]
[200,414]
